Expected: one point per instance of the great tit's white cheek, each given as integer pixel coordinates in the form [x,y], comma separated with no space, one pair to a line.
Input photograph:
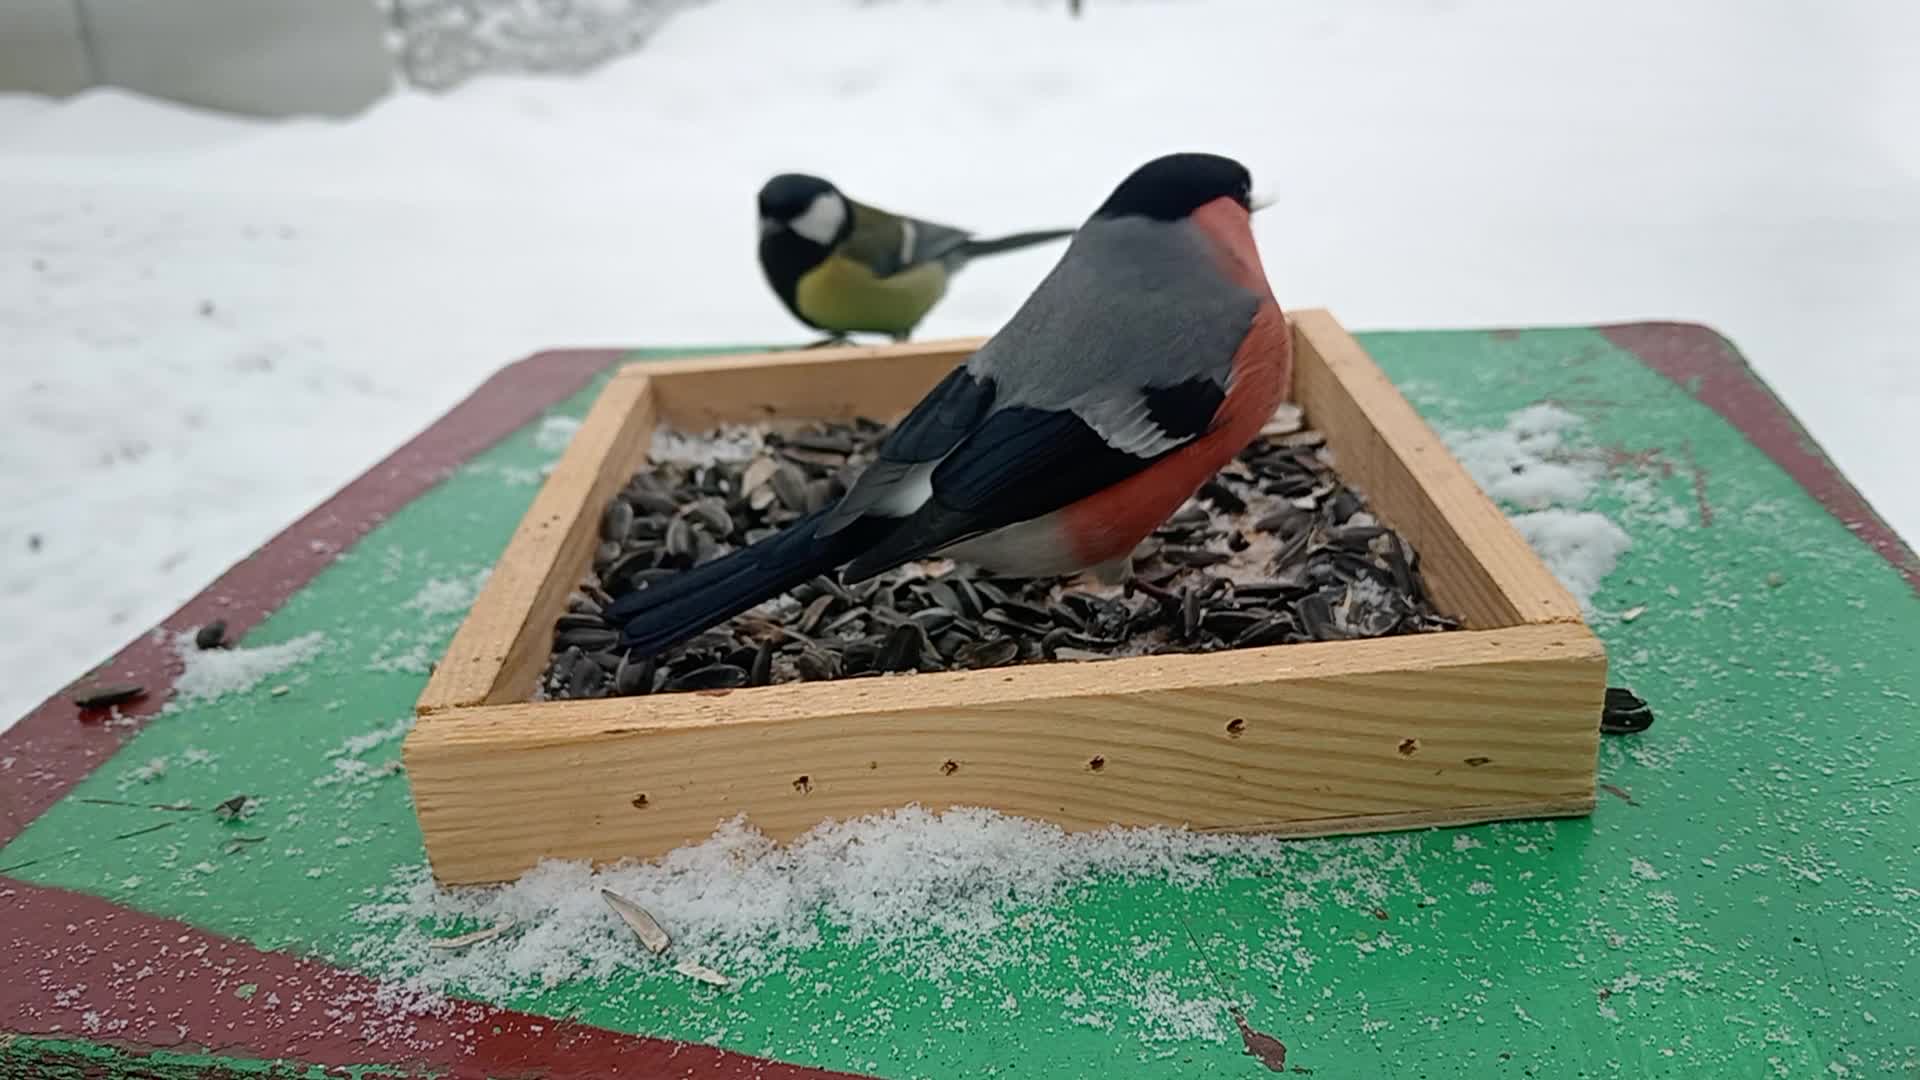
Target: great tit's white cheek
[822,221]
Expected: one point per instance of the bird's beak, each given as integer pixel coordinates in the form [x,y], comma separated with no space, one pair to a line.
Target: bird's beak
[1259,203]
[769,226]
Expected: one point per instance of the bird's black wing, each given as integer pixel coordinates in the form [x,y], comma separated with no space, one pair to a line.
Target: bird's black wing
[943,419]
[1022,463]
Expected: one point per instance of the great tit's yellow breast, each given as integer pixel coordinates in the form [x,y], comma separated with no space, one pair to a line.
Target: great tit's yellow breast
[841,294]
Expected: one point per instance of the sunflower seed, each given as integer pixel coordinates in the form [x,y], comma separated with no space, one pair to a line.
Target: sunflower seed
[211,636]
[1335,571]
[586,676]
[680,538]
[1625,712]
[711,677]
[826,443]
[815,665]
[633,677]
[101,697]
[616,522]
[1223,498]
[988,654]
[790,485]
[754,479]
[710,514]
[587,637]
[1186,556]
[652,502]
[902,649]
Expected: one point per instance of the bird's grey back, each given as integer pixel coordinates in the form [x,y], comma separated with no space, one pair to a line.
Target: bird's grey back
[1133,303]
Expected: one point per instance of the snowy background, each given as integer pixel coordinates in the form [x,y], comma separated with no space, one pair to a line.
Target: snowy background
[208,324]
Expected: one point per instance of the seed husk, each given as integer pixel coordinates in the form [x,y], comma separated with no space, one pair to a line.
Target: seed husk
[639,920]
[108,695]
[711,677]
[712,516]
[634,676]
[1624,712]
[902,649]
[1332,570]
[988,654]
[816,665]
[652,502]
[679,543]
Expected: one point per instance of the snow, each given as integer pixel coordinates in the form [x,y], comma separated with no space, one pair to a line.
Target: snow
[208,324]
[937,896]
[1541,471]
[1522,462]
[213,673]
[1580,546]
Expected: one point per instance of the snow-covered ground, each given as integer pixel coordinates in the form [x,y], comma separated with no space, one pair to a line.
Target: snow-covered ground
[208,324]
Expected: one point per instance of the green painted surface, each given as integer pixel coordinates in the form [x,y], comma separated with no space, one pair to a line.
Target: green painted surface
[1755,911]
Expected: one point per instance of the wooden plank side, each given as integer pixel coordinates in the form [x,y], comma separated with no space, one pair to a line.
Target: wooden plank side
[1477,565]
[1454,727]
[879,382]
[497,654]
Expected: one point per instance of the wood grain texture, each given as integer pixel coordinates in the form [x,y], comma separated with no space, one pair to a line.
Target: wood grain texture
[1500,721]
[1335,737]
[1476,565]
[500,649]
[876,381]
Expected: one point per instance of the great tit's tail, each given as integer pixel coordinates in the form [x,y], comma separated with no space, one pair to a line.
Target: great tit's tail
[973,249]
[667,612]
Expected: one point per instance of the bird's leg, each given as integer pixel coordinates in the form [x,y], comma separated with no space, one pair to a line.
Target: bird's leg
[828,341]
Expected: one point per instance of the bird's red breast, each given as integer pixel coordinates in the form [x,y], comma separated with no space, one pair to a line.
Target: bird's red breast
[1110,523]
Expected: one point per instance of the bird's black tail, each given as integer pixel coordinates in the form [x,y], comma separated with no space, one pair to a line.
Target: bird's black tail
[973,249]
[672,610]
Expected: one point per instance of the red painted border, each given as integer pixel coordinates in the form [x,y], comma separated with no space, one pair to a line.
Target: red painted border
[55,939]
[77,972]
[56,745]
[63,939]
[1706,365]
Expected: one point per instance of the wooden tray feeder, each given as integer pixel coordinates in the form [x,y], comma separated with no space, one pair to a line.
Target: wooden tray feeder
[1497,720]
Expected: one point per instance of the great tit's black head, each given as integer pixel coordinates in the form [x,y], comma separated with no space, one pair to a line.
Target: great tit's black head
[1172,187]
[806,206]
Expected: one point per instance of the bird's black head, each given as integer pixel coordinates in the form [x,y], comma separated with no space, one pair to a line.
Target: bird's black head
[1171,187]
[804,206]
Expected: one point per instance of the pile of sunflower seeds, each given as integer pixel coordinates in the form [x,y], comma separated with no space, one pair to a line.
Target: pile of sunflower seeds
[1275,549]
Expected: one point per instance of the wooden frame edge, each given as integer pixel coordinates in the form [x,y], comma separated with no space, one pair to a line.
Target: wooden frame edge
[1443,510]
[593,718]
[484,661]
[1322,744]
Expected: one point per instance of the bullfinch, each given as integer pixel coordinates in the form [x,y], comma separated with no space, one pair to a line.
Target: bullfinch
[845,267]
[1149,357]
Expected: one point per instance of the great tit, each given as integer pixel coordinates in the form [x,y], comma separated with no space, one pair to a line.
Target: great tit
[845,267]
[1151,355]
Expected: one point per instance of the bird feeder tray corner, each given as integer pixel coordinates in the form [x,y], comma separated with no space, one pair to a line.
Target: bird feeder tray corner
[1494,721]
